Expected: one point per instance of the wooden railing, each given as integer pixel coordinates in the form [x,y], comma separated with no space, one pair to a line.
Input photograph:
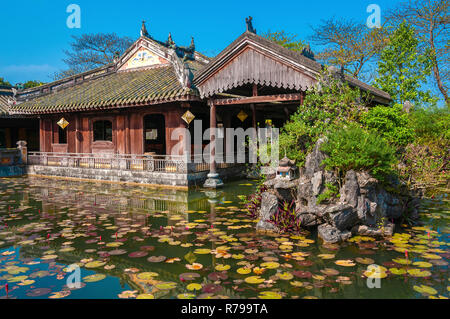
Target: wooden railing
[133,162]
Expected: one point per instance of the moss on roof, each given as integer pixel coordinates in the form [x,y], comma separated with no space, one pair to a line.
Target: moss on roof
[112,90]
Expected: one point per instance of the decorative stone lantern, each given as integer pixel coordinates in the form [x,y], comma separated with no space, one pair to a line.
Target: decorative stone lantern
[287,169]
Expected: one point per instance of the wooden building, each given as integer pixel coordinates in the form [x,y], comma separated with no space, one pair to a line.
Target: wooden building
[14,128]
[133,105]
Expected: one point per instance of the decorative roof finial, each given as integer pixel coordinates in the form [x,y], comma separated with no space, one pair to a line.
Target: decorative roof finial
[170,41]
[307,52]
[144,29]
[250,28]
[192,46]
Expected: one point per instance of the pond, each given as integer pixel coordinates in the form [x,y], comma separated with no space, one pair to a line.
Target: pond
[138,242]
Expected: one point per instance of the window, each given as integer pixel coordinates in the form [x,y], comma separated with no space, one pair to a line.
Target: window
[102,131]
[62,136]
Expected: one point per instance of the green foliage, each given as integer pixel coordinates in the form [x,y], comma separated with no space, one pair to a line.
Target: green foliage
[4,82]
[31,84]
[331,191]
[402,69]
[431,122]
[285,39]
[391,123]
[355,148]
[330,105]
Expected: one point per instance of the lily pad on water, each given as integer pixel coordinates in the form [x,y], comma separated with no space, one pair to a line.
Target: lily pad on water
[269,295]
[138,254]
[254,280]
[145,296]
[38,292]
[156,259]
[425,290]
[189,276]
[94,264]
[94,278]
[166,285]
[147,275]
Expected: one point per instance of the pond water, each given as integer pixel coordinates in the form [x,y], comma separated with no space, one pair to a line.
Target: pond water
[137,242]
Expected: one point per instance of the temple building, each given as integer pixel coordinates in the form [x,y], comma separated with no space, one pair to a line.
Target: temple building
[120,118]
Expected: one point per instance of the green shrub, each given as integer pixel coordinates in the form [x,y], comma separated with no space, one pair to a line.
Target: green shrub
[355,148]
[391,123]
[331,191]
[431,123]
[331,104]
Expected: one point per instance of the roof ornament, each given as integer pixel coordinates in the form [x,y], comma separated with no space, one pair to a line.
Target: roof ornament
[170,41]
[307,52]
[250,28]
[192,45]
[144,29]
[116,56]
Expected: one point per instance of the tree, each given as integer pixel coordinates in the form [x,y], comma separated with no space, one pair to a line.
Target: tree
[350,45]
[4,82]
[285,39]
[402,69]
[31,84]
[431,20]
[90,51]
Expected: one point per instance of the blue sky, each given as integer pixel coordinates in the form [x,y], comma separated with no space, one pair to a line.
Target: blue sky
[35,32]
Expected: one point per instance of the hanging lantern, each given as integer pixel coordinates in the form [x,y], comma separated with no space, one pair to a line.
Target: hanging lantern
[62,123]
[242,116]
[188,117]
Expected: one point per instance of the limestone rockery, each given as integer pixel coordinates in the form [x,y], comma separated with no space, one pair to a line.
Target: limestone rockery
[361,205]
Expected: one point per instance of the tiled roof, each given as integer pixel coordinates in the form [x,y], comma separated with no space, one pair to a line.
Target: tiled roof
[116,89]
[5,93]
[289,54]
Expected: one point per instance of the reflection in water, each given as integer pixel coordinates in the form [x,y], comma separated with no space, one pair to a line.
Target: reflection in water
[138,242]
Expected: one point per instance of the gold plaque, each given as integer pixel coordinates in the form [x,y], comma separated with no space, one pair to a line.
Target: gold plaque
[188,117]
[242,116]
[62,123]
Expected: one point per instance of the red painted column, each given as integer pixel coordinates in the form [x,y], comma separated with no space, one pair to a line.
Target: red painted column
[213,126]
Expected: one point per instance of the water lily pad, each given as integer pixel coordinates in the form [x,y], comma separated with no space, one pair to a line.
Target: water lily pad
[94,264]
[138,254]
[156,259]
[345,263]
[189,276]
[145,296]
[269,295]
[94,278]
[365,261]
[147,275]
[193,286]
[254,280]
[425,290]
[222,267]
[38,292]
[270,265]
[166,285]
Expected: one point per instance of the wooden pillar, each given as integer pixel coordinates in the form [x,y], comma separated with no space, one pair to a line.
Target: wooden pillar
[253,107]
[213,180]
[302,95]
[212,132]
[77,134]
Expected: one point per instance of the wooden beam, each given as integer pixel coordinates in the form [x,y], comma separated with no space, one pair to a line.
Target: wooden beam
[259,99]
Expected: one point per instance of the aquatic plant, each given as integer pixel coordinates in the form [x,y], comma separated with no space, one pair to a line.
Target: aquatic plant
[285,219]
[253,201]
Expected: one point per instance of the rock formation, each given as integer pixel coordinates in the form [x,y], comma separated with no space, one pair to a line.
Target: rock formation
[361,206]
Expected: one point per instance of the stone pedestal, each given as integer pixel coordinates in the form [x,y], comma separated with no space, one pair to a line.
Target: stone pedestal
[213,181]
[22,146]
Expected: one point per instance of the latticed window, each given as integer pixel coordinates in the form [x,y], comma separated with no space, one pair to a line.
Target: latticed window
[102,131]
